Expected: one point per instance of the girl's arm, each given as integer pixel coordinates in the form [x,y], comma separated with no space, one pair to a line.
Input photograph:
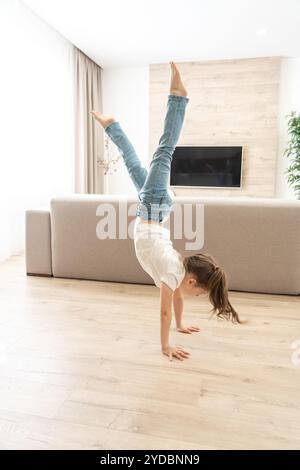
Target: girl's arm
[178,307]
[166,297]
[178,302]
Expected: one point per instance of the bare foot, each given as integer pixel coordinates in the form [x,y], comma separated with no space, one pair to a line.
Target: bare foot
[104,121]
[176,86]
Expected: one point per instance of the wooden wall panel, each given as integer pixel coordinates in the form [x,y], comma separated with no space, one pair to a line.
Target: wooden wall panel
[232,102]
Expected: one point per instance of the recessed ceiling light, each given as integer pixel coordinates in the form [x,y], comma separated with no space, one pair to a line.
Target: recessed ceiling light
[261,32]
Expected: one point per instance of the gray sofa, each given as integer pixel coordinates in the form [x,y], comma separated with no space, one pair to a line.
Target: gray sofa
[256,240]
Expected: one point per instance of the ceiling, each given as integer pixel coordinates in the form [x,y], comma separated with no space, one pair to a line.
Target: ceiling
[122,33]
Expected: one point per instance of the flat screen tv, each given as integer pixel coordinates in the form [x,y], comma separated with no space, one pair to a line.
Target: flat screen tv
[210,167]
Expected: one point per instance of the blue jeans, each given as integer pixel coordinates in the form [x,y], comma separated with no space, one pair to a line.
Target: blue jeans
[152,187]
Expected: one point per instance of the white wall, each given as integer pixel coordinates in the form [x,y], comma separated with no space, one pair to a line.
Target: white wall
[36,119]
[126,97]
[289,99]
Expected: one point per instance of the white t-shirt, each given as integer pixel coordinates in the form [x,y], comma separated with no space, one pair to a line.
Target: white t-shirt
[156,255]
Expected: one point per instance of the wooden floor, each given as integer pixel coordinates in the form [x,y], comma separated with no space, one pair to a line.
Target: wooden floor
[80,367]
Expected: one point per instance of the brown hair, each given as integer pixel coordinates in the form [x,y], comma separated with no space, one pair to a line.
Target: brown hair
[211,277]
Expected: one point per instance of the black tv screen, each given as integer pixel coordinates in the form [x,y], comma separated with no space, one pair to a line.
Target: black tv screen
[218,167]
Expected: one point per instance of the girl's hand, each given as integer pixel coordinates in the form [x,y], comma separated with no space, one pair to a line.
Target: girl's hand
[177,352]
[188,329]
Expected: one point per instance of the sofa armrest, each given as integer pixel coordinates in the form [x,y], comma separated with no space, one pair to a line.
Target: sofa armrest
[38,257]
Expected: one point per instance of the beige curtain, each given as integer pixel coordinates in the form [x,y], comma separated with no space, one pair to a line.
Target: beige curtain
[89,139]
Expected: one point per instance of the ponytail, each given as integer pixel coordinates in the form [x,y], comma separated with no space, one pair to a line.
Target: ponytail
[212,278]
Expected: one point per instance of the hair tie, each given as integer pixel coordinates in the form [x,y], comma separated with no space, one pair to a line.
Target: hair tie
[215,268]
